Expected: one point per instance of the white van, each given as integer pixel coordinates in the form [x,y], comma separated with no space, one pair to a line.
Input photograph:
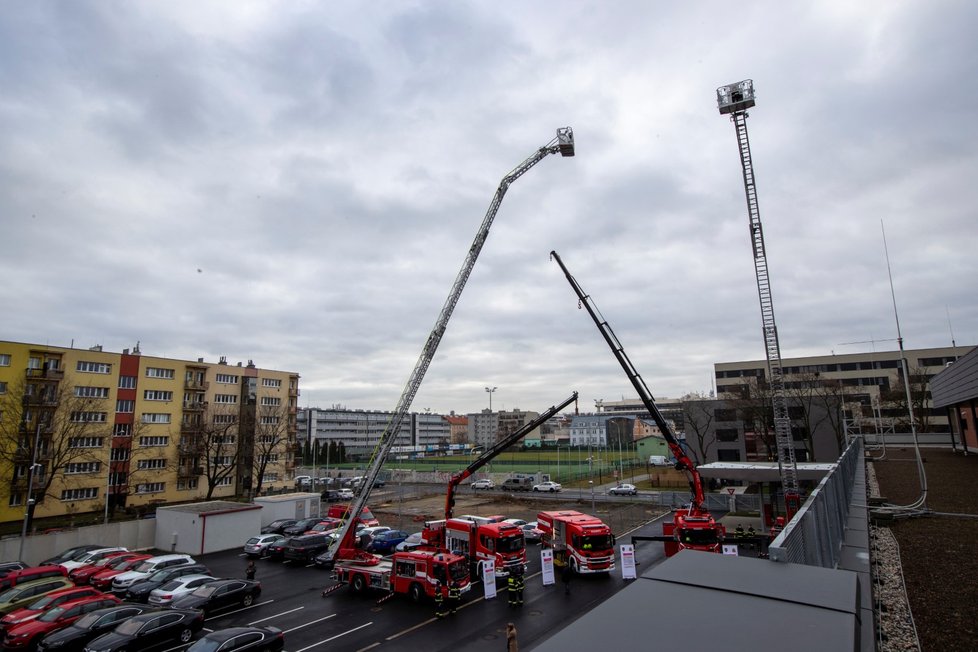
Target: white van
[658,460]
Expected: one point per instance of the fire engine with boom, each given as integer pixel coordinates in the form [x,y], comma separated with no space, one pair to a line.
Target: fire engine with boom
[583,542]
[692,527]
[481,538]
[351,563]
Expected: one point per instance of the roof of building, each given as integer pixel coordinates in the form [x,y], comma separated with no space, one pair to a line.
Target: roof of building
[211,507]
[762,471]
[958,382]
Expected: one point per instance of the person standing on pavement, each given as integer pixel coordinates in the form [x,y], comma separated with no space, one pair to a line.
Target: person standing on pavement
[511,643]
[511,589]
[439,602]
[250,570]
[454,597]
[520,585]
[566,575]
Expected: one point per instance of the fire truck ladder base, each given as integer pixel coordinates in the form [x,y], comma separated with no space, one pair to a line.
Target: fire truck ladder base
[329,590]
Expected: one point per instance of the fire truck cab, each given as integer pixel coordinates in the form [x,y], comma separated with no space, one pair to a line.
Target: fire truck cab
[415,573]
[583,542]
[478,539]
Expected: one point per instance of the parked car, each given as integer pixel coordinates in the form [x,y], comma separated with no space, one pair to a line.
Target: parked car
[170,591]
[102,580]
[26,593]
[74,637]
[83,574]
[26,635]
[121,582]
[324,525]
[383,543]
[623,489]
[330,496]
[91,557]
[49,601]
[305,548]
[8,566]
[547,486]
[300,526]
[139,592]
[258,546]
[346,494]
[303,480]
[276,527]
[413,541]
[531,533]
[151,630]
[220,594]
[517,484]
[241,639]
[485,483]
[515,521]
[276,551]
[70,553]
[13,578]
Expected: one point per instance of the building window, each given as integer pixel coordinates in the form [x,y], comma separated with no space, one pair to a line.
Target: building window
[157,395]
[224,419]
[16,499]
[157,372]
[225,482]
[127,382]
[86,367]
[727,434]
[154,441]
[86,442]
[186,485]
[150,488]
[271,400]
[225,399]
[223,460]
[92,392]
[89,417]
[226,379]
[271,382]
[724,455]
[125,407]
[119,454]
[122,430]
[159,463]
[87,493]
[82,467]
[725,415]
[269,421]
[4,359]
[155,417]
[3,387]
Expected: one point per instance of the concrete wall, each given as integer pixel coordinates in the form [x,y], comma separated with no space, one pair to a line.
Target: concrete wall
[134,535]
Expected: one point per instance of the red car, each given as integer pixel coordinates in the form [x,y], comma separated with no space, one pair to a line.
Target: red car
[83,574]
[26,635]
[103,579]
[45,602]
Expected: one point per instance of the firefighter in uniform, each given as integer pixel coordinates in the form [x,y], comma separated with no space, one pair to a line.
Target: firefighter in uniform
[454,597]
[520,585]
[740,530]
[751,534]
[439,601]
[511,588]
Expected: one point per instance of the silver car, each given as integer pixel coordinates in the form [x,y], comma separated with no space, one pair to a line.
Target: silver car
[177,587]
[257,546]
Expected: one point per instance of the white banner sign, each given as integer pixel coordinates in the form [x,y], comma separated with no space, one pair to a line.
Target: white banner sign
[547,561]
[489,578]
[729,549]
[627,561]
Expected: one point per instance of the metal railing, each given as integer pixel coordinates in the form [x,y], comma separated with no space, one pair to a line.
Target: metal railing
[815,535]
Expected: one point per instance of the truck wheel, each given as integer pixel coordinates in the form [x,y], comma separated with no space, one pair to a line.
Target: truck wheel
[359,585]
[416,593]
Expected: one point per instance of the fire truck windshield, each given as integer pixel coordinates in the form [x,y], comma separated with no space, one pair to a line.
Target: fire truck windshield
[459,570]
[597,542]
[511,544]
[698,536]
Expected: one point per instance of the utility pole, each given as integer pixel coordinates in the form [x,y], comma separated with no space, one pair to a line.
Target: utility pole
[30,487]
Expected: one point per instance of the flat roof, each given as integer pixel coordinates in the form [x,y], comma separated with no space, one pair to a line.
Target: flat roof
[281,498]
[211,506]
[762,471]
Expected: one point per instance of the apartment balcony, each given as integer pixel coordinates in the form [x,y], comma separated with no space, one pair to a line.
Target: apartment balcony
[294,392]
[188,446]
[194,406]
[189,471]
[54,375]
[197,386]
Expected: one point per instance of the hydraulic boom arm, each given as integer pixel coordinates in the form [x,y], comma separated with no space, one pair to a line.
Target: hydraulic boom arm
[564,144]
[500,446]
[683,462]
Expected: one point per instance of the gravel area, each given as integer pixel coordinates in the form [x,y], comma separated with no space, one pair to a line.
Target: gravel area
[936,552]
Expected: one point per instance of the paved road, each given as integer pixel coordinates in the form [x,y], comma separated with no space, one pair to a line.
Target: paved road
[291,601]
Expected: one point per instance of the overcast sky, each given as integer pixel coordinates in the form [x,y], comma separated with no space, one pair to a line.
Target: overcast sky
[298,184]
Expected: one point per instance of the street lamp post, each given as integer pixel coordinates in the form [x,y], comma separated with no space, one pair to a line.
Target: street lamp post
[591,482]
[490,390]
[30,487]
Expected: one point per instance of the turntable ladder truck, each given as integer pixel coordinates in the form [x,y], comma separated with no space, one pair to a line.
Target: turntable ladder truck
[693,527]
[735,99]
[346,551]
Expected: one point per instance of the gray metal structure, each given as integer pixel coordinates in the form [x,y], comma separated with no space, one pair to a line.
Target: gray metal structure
[735,99]
[563,144]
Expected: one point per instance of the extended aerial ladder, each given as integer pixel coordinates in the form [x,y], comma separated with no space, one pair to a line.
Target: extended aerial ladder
[563,143]
[735,99]
[504,443]
[694,527]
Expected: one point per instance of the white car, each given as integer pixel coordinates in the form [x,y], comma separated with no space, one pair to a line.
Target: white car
[123,581]
[484,484]
[177,587]
[90,557]
[623,489]
[303,480]
[547,486]
[515,521]
[346,494]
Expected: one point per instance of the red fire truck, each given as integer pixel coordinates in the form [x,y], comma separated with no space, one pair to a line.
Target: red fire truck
[479,538]
[581,541]
[415,573]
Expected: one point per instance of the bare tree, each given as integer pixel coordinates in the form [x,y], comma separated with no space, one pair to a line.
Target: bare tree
[50,421]
[271,439]
[211,442]
[698,417]
[894,400]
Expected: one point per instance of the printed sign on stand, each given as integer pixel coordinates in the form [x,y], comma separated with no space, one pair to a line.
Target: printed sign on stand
[489,578]
[627,561]
[547,561]
[729,549]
